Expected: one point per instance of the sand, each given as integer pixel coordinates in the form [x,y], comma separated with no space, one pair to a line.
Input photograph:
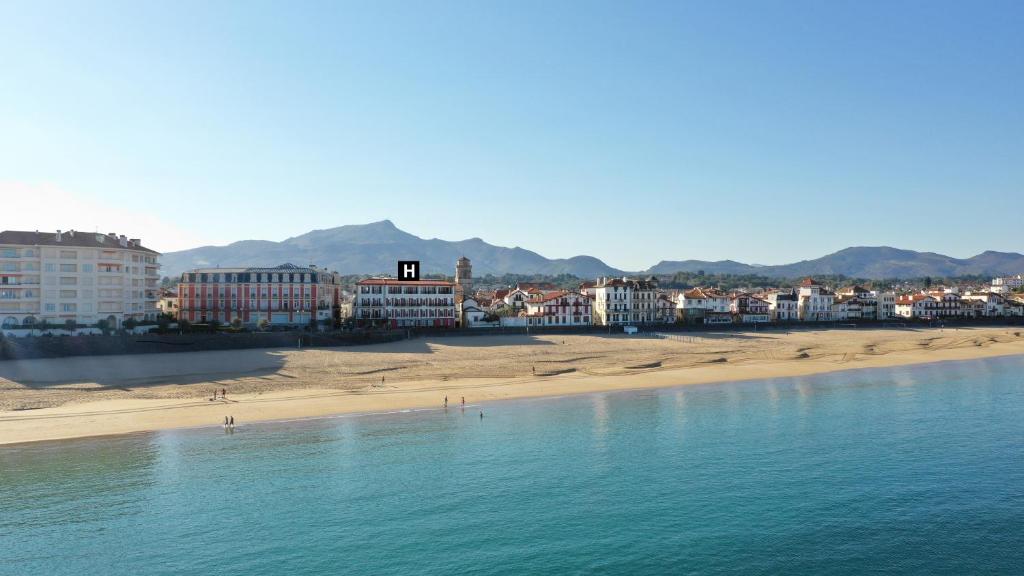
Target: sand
[90,396]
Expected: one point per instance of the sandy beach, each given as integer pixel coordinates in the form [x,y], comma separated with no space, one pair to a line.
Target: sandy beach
[91,396]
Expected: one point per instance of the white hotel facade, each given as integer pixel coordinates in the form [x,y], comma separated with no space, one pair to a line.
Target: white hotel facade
[84,277]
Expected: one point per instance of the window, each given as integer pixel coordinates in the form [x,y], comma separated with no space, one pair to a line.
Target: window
[68,254]
[49,267]
[69,293]
[51,308]
[69,268]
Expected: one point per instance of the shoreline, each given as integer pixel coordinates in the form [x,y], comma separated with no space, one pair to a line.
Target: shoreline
[122,416]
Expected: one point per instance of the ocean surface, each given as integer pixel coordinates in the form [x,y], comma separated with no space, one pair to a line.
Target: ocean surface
[911,470]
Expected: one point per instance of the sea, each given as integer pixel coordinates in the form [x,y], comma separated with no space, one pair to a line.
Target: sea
[906,470]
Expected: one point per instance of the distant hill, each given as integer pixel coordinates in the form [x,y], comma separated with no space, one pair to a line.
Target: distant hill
[864,262]
[375,248]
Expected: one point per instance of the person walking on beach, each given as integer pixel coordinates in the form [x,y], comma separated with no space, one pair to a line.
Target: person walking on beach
[232,421]
[481,414]
[446,401]
[223,393]
[225,421]
[463,401]
[381,379]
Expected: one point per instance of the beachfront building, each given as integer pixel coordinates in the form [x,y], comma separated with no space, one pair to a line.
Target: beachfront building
[72,276]
[285,295]
[921,306]
[749,309]
[704,306]
[561,308]
[665,309]
[782,306]
[947,303]
[994,305]
[885,304]
[471,313]
[168,303]
[392,303]
[814,302]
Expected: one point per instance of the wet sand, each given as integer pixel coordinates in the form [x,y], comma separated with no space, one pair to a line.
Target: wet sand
[91,396]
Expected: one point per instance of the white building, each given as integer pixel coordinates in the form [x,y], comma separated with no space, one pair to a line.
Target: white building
[995,304]
[391,303]
[83,277]
[783,306]
[814,302]
[561,308]
[916,306]
[749,309]
[1007,284]
[704,306]
[619,301]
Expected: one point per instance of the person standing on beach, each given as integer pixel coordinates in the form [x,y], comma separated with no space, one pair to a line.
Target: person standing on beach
[463,401]
[446,401]
[232,421]
[223,393]
[225,421]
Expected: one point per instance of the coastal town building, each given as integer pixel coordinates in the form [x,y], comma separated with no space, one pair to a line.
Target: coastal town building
[993,304]
[783,306]
[749,309]
[1007,284]
[814,302]
[704,306]
[920,306]
[78,277]
[622,301]
[280,295]
[561,308]
[392,303]
[168,303]
[464,276]
[665,307]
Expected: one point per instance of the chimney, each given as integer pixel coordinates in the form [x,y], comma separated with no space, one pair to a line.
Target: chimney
[58,236]
[123,240]
[71,233]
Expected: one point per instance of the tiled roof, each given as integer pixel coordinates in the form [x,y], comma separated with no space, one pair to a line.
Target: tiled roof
[809,282]
[75,238]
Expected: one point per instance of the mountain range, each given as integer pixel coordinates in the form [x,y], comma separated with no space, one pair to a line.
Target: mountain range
[375,248]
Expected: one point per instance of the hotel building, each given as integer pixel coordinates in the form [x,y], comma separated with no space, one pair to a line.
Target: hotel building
[561,308]
[281,295]
[79,276]
[391,303]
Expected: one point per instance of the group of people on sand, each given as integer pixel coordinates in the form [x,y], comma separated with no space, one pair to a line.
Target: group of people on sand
[229,421]
[463,405]
[223,394]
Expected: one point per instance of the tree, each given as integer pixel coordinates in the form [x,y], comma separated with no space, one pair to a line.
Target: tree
[263,325]
[184,325]
[130,323]
[104,326]
[236,323]
[214,325]
[70,325]
[163,321]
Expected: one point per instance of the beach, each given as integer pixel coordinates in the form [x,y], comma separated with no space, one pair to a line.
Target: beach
[74,397]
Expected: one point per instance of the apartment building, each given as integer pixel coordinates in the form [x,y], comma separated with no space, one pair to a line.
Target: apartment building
[392,303]
[620,301]
[921,306]
[561,308]
[83,277]
[280,295]
[749,309]
[704,306]
[814,302]
[783,306]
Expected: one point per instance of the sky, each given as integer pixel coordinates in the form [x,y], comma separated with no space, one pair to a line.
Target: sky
[765,132]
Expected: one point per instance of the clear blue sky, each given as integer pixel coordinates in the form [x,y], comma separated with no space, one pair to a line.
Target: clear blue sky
[765,132]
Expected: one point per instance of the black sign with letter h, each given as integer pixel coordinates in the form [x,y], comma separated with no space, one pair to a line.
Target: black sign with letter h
[408,270]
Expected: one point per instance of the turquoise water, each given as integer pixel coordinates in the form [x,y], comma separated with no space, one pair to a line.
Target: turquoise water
[916,470]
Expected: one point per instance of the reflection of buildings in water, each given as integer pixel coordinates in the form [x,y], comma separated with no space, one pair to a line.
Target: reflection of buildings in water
[599,403]
[773,395]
